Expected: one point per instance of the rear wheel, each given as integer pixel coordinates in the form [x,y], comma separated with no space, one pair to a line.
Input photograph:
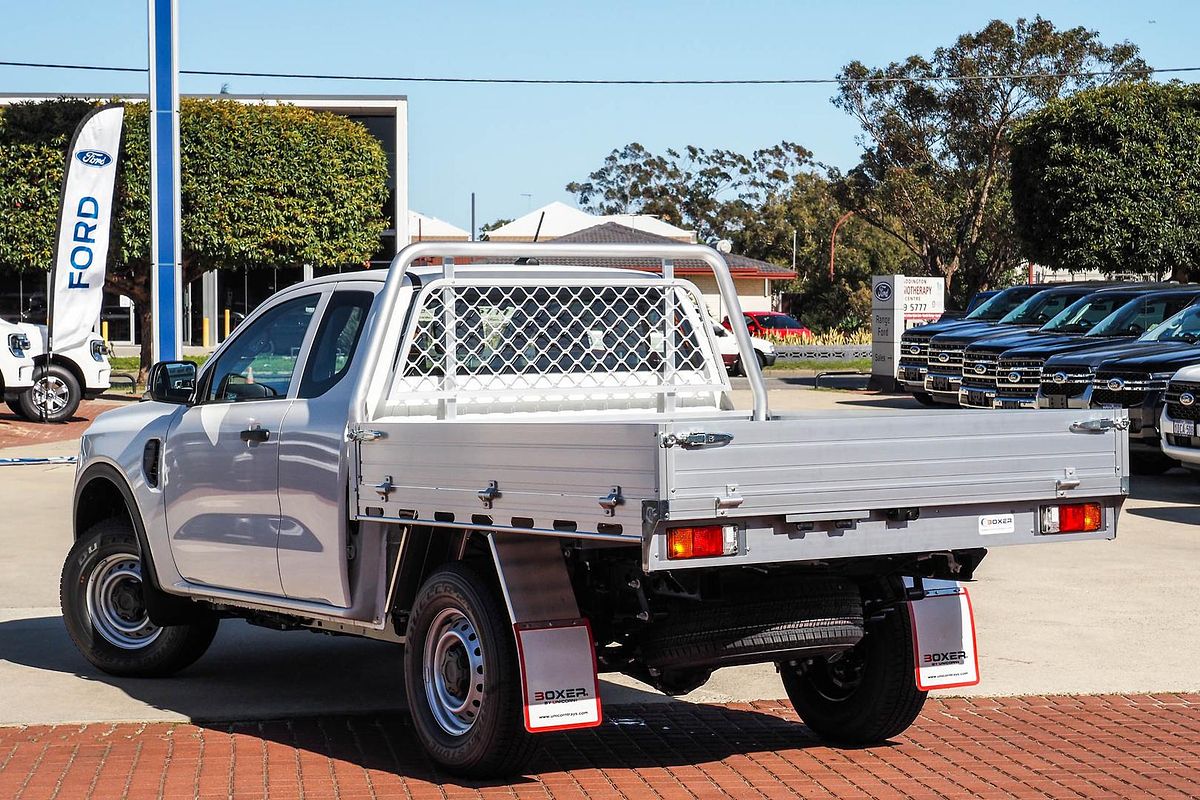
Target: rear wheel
[462,678]
[54,396]
[105,612]
[864,695]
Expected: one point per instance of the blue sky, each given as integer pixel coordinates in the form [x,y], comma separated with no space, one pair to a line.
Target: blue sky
[504,142]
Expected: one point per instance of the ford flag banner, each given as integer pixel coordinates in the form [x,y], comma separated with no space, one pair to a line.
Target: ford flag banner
[81,251]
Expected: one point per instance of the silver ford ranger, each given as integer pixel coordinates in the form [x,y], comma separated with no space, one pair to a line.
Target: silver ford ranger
[526,474]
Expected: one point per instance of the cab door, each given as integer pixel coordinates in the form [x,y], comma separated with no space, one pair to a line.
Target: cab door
[221,458]
[314,543]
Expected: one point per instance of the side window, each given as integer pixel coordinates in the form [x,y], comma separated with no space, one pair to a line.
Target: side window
[337,337]
[258,365]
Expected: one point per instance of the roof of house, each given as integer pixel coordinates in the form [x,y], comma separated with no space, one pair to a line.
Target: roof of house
[424,228]
[556,220]
[615,233]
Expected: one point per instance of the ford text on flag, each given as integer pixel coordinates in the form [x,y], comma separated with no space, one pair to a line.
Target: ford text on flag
[81,252]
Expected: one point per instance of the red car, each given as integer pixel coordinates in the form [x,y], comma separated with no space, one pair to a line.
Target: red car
[762,323]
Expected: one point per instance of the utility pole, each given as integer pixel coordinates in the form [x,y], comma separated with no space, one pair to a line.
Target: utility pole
[472,216]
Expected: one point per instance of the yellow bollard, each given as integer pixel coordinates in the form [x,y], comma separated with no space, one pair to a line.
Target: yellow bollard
[227,323]
[204,332]
[104,330]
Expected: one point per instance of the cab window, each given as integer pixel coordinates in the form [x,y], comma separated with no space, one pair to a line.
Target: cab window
[259,363]
[335,342]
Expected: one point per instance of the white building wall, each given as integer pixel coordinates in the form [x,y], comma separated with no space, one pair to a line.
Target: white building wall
[753,293]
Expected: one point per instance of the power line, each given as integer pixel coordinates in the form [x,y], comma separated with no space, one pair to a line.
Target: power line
[611,82]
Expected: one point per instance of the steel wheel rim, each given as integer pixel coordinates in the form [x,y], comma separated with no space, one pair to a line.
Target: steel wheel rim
[51,394]
[453,671]
[114,603]
[837,679]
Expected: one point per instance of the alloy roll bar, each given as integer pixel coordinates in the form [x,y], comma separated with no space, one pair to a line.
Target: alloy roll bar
[371,380]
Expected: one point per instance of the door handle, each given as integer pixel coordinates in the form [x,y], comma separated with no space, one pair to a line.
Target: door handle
[255,435]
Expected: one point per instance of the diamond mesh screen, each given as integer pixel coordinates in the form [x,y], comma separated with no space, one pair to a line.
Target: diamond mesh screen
[554,346]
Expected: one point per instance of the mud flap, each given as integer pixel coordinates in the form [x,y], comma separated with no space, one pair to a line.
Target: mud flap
[558,675]
[943,631]
[559,679]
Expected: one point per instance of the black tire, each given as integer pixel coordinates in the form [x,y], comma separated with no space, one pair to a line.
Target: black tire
[64,395]
[925,399]
[871,697]
[15,407]
[762,360]
[107,546]
[492,742]
[829,617]
[1149,464]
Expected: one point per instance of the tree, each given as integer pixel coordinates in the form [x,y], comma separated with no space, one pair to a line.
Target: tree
[774,205]
[712,192]
[262,185]
[484,230]
[1109,180]
[934,173]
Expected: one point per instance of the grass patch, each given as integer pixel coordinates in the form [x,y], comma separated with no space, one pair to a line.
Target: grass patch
[130,364]
[863,364]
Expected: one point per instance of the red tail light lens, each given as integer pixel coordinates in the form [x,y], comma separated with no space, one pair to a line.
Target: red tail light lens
[698,542]
[1072,518]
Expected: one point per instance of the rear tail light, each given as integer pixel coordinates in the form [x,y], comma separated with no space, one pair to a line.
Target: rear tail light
[713,540]
[1072,518]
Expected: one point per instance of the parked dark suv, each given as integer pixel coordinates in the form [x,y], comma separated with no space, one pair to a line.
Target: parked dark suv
[945,351]
[1006,371]
[1130,375]
[914,343]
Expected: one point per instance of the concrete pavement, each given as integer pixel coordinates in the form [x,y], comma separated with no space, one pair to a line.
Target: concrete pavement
[1089,617]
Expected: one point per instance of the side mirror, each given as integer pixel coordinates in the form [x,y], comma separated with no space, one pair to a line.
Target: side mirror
[172,382]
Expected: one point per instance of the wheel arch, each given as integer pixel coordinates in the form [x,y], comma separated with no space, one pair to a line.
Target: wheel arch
[101,493]
[66,363]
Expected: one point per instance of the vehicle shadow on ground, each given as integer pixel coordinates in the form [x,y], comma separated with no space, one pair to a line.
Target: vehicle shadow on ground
[1175,486]
[343,698]
[648,736]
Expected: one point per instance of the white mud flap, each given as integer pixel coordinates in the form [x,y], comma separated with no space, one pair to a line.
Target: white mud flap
[559,679]
[558,675]
[943,629]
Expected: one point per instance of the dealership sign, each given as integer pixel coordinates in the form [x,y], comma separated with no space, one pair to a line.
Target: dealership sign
[899,302]
[84,227]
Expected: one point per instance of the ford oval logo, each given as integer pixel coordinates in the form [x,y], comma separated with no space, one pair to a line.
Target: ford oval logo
[1116,384]
[915,350]
[883,291]
[944,357]
[94,158]
[1186,399]
[1014,377]
[980,369]
[1059,377]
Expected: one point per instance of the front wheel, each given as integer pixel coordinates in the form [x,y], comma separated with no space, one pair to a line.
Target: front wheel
[1150,463]
[461,676]
[105,613]
[865,695]
[54,396]
[924,398]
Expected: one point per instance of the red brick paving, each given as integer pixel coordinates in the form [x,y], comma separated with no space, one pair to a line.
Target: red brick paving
[15,431]
[1043,747]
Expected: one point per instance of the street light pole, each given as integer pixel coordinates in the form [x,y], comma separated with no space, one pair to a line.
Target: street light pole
[833,240]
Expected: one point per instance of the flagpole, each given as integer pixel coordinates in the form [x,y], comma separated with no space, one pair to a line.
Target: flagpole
[165,236]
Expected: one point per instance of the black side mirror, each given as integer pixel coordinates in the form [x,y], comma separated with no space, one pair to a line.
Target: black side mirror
[172,382]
